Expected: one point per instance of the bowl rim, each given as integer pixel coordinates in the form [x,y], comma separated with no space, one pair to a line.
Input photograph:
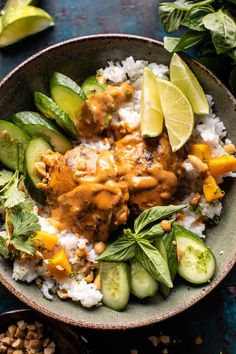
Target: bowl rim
[155,318]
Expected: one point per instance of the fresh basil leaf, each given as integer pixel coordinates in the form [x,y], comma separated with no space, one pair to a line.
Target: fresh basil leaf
[193,18]
[170,17]
[171,252]
[152,233]
[154,214]
[223,30]
[190,39]
[4,251]
[170,43]
[153,262]
[186,5]
[121,250]
[232,80]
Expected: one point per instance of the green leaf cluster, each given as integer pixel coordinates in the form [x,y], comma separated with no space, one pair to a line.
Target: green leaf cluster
[139,244]
[210,26]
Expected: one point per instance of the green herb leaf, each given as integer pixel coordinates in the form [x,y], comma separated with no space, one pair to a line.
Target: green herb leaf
[152,233]
[5,177]
[120,250]
[223,30]
[13,196]
[170,17]
[186,5]
[193,18]
[153,262]
[154,214]
[4,251]
[24,245]
[24,224]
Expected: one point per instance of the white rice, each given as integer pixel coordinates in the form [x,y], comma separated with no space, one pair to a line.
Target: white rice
[209,128]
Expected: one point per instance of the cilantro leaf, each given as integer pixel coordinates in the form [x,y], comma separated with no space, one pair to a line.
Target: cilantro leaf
[13,196]
[24,224]
[5,177]
[4,251]
[24,245]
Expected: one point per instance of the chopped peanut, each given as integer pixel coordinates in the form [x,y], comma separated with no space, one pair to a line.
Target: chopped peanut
[195,199]
[166,225]
[196,162]
[99,247]
[230,149]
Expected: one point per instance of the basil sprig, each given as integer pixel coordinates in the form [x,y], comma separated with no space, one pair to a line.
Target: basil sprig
[138,244]
[210,27]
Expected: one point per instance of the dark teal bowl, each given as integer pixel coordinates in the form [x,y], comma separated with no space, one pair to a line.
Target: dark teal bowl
[79,58]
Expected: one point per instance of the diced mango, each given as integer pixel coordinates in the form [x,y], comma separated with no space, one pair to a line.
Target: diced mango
[45,240]
[222,164]
[202,151]
[211,190]
[59,265]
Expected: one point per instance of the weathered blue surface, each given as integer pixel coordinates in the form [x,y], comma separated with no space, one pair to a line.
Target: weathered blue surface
[214,318]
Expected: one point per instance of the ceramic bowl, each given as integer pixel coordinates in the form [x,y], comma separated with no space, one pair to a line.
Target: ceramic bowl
[79,58]
[65,339]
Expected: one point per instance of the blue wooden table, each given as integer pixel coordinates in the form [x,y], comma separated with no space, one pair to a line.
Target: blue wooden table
[214,318]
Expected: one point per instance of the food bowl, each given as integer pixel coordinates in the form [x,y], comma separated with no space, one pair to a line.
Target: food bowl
[78,58]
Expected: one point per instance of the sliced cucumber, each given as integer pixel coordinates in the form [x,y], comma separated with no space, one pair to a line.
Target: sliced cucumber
[51,110]
[115,279]
[91,86]
[34,151]
[12,140]
[36,125]
[67,94]
[197,263]
[166,245]
[142,283]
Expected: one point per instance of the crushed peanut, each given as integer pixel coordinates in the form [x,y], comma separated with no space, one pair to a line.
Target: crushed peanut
[196,162]
[230,149]
[24,338]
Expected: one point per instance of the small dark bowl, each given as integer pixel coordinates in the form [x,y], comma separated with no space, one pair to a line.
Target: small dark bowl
[66,340]
[79,58]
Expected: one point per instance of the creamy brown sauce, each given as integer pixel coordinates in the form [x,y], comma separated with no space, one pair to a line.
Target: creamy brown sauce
[92,192]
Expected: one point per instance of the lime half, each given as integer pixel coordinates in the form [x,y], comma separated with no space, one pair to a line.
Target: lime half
[21,22]
[17,3]
[178,113]
[183,77]
[151,112]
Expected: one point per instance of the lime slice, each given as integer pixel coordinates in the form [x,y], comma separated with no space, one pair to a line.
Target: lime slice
[178,113]
[17,3]
[183,77]
[150,110]
[20,22]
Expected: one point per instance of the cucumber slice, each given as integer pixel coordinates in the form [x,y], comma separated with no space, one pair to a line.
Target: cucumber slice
[51,110]
[34,151]
[91,86]
[166,245]
[142,283]
[197,263]
[12,138]
[36,125]
[67,94]
[115,279]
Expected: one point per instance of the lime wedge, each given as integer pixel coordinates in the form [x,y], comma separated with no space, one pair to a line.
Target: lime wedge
[150,109]
[17,3]
[178,113]
[183,77]
[20,22]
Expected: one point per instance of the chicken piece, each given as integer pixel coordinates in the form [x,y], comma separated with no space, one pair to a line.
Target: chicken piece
[151,170]
[96,113]
[84,192]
